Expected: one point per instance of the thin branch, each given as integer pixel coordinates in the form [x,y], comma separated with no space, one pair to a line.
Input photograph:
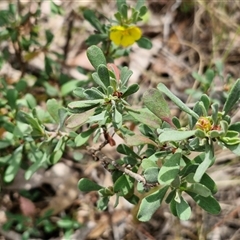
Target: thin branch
[69,34]
[99,156]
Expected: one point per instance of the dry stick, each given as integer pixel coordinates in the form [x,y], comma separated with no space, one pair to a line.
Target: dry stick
[69,34]
[99,156]
[200,68]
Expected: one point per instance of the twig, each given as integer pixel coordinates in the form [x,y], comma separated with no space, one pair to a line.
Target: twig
[99,156]
[69,34]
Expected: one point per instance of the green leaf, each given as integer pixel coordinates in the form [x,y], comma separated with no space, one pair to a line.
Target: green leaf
[151,174]
[120,3]
[82,138]
[183,209]
[77,120]
[171,196]
[69,86]
[48,65]
[206,101]
[150,204]
[156,103]
[86,185]
[147,163]
[137,140]
[125,74]
[199,189]
[99,82]
[172,206]
[35,166]
[124,149]
[93,93]
[31,101]
[13,168]
[117,119]
[209,204]
[215,107]
[26,118]
[58,150]
[124,11]
[162,88]
[140,4]
[65,223]
[95,39]
[52,108]
[207,181]
[102,203]
[103,74]
[145,116]
[96,56]
[176,122]
[174,135]
[62,114]
[234,148]
[49,36]
[118,16]
[124,185]
[130,90]
[235,127]
[55,8]
[89,15]
[130,160]
[202,168]
[79,92]
[11,96]
[170,169]
[5,159]
[50,89]
[84,105]
[142,9]
[233,97]
[144,42]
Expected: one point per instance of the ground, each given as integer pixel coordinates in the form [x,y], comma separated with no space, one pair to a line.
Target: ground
[187,37]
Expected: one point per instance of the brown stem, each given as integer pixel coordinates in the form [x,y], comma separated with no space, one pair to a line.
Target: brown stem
[99,156]
[69,34]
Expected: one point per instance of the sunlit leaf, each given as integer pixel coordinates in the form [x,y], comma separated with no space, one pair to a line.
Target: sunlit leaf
[170,169]
[87,185]
[150,204]
[161,87]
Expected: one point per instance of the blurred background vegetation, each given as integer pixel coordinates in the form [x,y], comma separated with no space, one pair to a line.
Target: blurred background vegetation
[43,55]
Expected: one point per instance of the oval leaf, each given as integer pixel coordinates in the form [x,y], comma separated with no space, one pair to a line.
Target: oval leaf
[199,189]
[170,169]
[156,103]
[145,116]
[183,209]
[52,108]
[124,185]
[150,204]
[233,97]
[130,90]
[77,120]
[151,174]
[96,56]
[209,204]
[103,74]
[161,87]
[87,185]
[137,140]
[174,135]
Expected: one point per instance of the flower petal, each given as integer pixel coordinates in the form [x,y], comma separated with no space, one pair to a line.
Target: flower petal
[136,32]
[125,36]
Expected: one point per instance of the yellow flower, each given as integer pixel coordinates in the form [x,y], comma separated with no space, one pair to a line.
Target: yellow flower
[125,36]
[204,124]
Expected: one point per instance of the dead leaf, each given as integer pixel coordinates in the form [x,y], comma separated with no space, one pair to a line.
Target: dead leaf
[27,207]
